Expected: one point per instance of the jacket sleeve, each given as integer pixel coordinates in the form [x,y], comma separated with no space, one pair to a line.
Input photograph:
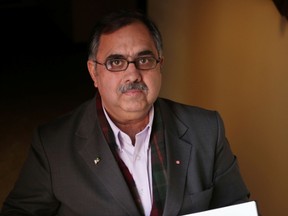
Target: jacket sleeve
[32,193]
[229,187]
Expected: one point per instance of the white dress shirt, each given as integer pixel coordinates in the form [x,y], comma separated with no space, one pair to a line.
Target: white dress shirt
[137,158]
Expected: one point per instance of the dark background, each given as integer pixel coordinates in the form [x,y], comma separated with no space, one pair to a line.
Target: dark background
[43,52]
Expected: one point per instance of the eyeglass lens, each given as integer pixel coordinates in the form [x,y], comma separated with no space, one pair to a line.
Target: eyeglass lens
[141,63]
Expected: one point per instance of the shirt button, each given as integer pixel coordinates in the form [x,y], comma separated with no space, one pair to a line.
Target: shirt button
[138,157]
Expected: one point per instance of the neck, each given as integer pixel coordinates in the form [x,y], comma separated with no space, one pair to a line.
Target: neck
[131,128]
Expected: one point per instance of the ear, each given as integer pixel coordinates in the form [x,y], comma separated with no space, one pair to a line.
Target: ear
[92,71]
[161,62]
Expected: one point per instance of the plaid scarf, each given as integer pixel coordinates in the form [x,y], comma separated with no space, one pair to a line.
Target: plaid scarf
[158,158]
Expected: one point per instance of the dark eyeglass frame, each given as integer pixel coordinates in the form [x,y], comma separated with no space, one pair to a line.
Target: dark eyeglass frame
[135,62]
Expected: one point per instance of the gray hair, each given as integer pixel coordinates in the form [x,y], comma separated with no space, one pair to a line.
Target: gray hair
[114,21]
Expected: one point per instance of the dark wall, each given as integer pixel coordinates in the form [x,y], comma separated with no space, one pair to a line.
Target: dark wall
[46,25]
[42,69]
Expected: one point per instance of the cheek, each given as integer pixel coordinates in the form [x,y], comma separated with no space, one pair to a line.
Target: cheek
[154,84]
[108,84]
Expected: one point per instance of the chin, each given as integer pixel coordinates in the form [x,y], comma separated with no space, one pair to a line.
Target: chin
[137,108]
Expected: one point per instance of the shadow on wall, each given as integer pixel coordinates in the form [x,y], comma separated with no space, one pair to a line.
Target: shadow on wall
[282,6]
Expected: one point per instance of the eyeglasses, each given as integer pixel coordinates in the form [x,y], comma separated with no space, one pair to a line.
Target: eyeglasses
[121,64]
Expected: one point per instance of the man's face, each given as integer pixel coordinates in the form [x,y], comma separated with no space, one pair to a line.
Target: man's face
[129,42]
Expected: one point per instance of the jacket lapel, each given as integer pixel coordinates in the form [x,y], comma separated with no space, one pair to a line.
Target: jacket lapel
[96,153]
[178,155]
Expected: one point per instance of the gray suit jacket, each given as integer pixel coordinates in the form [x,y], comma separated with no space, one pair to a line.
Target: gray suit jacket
[60,176]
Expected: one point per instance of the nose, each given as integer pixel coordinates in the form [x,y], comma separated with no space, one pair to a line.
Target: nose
[132,74]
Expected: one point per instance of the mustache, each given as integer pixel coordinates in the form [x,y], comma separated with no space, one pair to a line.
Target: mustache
[133,86]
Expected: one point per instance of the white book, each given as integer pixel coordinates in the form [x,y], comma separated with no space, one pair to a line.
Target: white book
[243,209]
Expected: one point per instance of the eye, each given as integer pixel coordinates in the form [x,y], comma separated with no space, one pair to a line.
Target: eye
[144,60]
[116,62]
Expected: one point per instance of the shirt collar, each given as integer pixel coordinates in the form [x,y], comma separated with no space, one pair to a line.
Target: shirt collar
[117,130]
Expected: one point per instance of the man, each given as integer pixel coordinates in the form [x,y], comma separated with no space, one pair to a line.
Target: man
[128,152]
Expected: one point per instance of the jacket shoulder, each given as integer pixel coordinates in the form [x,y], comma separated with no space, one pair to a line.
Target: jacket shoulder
[203,123]
[70,122]
[183,111]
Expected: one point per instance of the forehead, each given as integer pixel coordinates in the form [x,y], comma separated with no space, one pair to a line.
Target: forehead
[127,41]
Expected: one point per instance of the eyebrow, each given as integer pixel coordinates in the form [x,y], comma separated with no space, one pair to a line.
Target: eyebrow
[146,52]
[120,56]
[116,56]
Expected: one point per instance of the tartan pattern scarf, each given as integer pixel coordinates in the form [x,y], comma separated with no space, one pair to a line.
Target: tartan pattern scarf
[158,158]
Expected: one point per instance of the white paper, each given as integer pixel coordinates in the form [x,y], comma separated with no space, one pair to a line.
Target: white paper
[244,209]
